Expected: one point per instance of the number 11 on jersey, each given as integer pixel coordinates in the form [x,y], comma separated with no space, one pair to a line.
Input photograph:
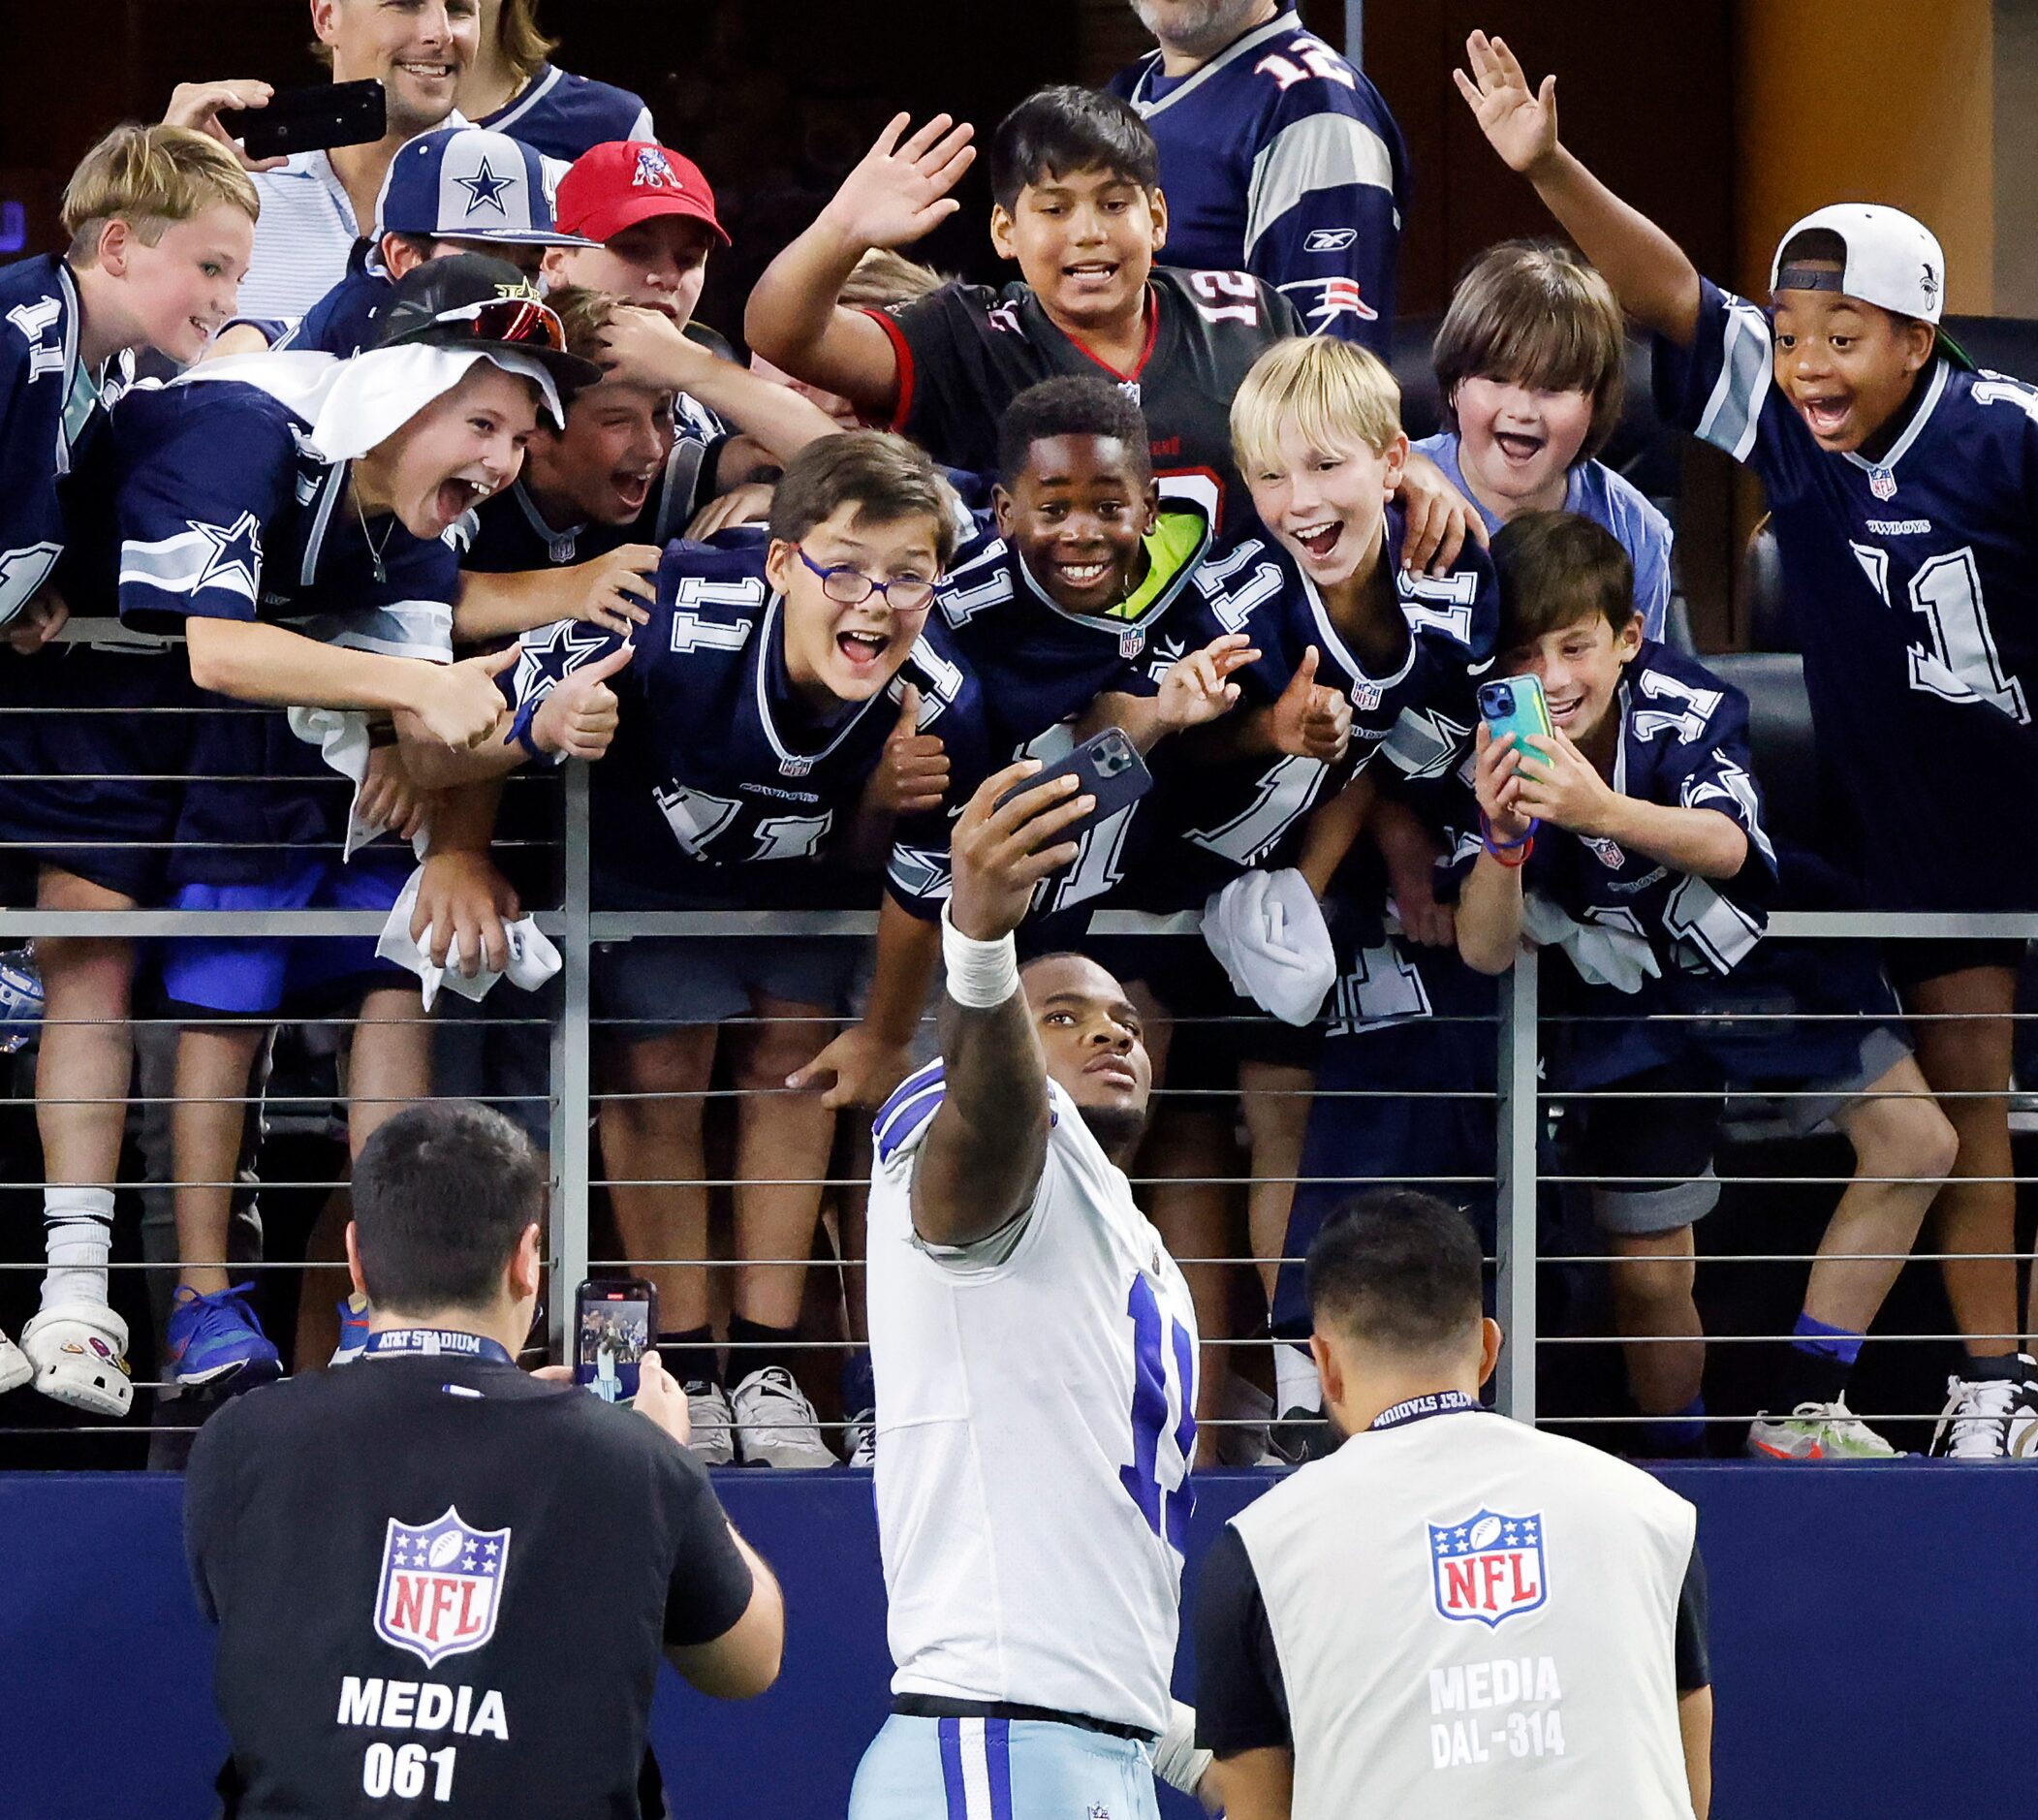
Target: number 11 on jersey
[1159,1366]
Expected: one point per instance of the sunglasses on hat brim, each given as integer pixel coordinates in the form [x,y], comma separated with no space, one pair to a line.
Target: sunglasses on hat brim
[515,322]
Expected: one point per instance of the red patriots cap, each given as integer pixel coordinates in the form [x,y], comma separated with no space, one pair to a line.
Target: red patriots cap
[615,186]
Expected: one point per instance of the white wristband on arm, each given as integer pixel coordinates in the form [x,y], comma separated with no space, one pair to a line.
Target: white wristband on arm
[981,975]
[1175,1759]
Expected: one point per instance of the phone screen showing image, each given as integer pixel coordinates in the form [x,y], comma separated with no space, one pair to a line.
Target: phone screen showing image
[615,1325]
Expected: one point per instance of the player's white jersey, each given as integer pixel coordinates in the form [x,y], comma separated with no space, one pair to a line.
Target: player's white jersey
[1036,1417]
[1476,1621]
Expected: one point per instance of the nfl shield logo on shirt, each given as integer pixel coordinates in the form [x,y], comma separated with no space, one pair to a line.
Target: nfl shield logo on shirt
[1488,1568]
[1131,642]
[441,1586]
[1365,697]
[1882,484]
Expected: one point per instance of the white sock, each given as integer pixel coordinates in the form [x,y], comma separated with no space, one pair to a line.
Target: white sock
[77,1238]
[1296,1384]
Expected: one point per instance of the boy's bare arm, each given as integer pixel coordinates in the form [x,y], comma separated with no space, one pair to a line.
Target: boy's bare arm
[1651,275]
[898,194]
[1559,785]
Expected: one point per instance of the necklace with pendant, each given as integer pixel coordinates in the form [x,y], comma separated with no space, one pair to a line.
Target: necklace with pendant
[375,549]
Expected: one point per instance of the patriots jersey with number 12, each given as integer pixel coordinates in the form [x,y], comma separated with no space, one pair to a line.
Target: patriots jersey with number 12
[1278,158]
[717,765]
[1912,585]
[1036,1399]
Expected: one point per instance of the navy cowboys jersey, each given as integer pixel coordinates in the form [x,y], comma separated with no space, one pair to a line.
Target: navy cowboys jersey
[226,514]
[1278,158]
[716,762]
[562,115]
[1038,666]
[1210,822]
[48,408]
[1913,586]
[965,352]
[1684,742]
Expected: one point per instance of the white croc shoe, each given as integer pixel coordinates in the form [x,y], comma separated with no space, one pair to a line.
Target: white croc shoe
[78,1350]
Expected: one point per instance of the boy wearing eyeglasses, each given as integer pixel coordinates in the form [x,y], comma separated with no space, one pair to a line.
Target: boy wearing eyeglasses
[742,727]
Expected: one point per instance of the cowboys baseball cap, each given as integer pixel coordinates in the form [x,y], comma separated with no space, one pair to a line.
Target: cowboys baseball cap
[466,183]
[1890,259]
[471,302]
[616,185]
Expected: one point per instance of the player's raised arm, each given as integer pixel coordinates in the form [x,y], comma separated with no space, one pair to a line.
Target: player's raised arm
[898,193]
[1654,281]
[984,1153]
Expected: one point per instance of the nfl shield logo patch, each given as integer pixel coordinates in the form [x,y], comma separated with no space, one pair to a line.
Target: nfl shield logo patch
[1131,642]
[795,767]
[1488,1568]
[441,1586]
[1882,484]
[1365,697]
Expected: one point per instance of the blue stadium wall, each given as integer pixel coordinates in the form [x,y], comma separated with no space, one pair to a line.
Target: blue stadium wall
[1873,1629]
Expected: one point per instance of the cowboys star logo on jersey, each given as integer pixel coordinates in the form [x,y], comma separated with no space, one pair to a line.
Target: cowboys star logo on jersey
[441,1586]
[1488,1567]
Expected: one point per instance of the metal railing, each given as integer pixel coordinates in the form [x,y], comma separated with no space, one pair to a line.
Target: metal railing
[1519,1100]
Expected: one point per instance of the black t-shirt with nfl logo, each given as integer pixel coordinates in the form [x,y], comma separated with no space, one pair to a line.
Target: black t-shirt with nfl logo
[443,1587]
[965,352]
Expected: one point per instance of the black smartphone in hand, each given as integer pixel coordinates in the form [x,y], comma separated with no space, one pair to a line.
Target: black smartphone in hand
[1107,766]
[311,119]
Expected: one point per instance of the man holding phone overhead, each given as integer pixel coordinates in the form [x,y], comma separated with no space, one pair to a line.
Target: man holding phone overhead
[319,200]
[415,1630]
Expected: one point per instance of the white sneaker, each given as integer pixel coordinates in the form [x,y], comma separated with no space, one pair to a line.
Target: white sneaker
[1977,1419]
[15,1367]
[775,1423]
[1817,1431]
[713,1439]
[861,1438]
[78,1350]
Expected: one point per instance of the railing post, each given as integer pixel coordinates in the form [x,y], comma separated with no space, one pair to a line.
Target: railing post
[1515,1190]
[571,1088]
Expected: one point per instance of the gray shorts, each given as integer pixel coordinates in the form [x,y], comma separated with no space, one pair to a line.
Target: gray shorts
[658,983]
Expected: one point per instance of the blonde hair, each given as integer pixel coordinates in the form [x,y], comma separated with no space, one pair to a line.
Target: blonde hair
[1330,392]
[1533,313]
[585,314]
[150,176]
[883,279]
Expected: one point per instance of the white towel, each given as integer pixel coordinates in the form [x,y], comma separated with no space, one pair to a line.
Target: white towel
[533,960]
[1267,931]
[1602,953]
[341,736]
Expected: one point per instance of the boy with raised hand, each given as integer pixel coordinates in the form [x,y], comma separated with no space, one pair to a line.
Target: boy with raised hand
[1074,174]
[161,221]
[287,512]
[1899,484]
[1632,838]
[761,698]
[1530,365]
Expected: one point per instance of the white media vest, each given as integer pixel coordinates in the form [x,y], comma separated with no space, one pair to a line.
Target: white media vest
[1476,1621]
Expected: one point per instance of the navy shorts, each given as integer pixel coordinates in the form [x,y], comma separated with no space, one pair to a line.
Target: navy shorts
[1404,1097]
[499,1051]
[93,754]
[658,983]
[254,975]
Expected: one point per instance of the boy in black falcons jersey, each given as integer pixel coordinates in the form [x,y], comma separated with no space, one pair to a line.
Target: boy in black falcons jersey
[1074,174]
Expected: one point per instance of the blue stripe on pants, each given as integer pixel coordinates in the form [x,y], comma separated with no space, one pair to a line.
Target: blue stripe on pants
[951,1735]
[998,1759]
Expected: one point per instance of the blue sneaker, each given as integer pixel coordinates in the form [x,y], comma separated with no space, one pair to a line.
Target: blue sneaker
[354,1330]
[216,1337]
